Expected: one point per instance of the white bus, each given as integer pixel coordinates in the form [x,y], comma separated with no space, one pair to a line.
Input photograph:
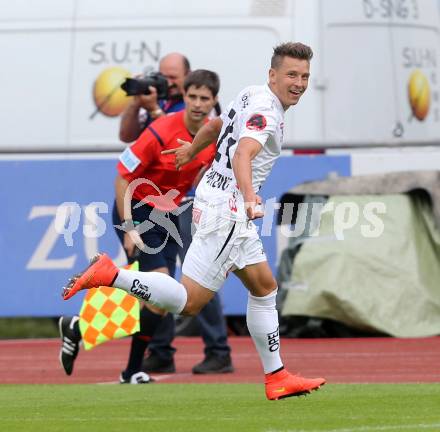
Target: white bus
[373,104]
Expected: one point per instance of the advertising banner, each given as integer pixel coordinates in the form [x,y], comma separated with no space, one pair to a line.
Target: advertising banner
[57,216]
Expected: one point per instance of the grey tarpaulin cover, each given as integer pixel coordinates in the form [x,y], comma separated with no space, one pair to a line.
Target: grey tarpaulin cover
[387,280]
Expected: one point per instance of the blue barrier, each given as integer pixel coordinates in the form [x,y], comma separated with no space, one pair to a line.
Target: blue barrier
[37,257]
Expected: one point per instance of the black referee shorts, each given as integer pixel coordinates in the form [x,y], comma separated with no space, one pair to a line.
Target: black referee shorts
[157,238]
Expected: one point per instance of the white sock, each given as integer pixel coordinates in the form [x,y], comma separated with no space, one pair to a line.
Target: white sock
[158,289]
[262,322]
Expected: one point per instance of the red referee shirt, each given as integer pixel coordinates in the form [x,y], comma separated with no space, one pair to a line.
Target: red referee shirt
[143,160]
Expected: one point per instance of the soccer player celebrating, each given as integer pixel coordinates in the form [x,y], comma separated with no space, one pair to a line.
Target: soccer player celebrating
[249,135]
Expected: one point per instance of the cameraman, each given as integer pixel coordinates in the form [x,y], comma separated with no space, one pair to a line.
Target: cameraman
[143,109]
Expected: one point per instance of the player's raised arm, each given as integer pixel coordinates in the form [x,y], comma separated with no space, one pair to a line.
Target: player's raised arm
[205,136]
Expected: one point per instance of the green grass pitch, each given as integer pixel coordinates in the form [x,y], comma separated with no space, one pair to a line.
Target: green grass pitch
[218,407]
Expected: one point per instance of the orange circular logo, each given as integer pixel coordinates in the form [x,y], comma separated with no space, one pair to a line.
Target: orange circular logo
[419,94]
[109,98]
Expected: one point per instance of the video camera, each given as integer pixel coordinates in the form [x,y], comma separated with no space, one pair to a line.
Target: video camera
[139,86]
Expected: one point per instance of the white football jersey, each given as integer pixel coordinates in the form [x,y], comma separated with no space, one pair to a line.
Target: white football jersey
[256,113]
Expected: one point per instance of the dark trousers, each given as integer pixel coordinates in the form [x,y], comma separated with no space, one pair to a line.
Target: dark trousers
[210,319]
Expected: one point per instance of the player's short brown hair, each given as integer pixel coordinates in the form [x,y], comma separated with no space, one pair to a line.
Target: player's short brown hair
[290,49]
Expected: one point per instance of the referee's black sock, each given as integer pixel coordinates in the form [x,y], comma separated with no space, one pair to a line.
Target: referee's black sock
[149,322]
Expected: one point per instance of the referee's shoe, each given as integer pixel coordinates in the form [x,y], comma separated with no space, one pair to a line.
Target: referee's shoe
[70,341]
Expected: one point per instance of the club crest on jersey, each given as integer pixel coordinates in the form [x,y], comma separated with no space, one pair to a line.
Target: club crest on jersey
[196,215]
[256,122]
[233,205]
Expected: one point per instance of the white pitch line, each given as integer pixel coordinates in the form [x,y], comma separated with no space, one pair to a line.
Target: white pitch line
[155,378]
[365,428]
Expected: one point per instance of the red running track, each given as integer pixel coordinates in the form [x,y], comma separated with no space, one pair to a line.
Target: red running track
[364,360]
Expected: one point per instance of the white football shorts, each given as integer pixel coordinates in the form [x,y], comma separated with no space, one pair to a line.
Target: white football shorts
[220,245]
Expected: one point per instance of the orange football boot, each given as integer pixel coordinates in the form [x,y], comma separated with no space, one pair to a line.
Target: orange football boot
[282,384]
[100,272]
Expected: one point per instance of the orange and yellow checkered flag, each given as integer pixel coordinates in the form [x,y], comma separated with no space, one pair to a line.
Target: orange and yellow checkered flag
[108,313]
